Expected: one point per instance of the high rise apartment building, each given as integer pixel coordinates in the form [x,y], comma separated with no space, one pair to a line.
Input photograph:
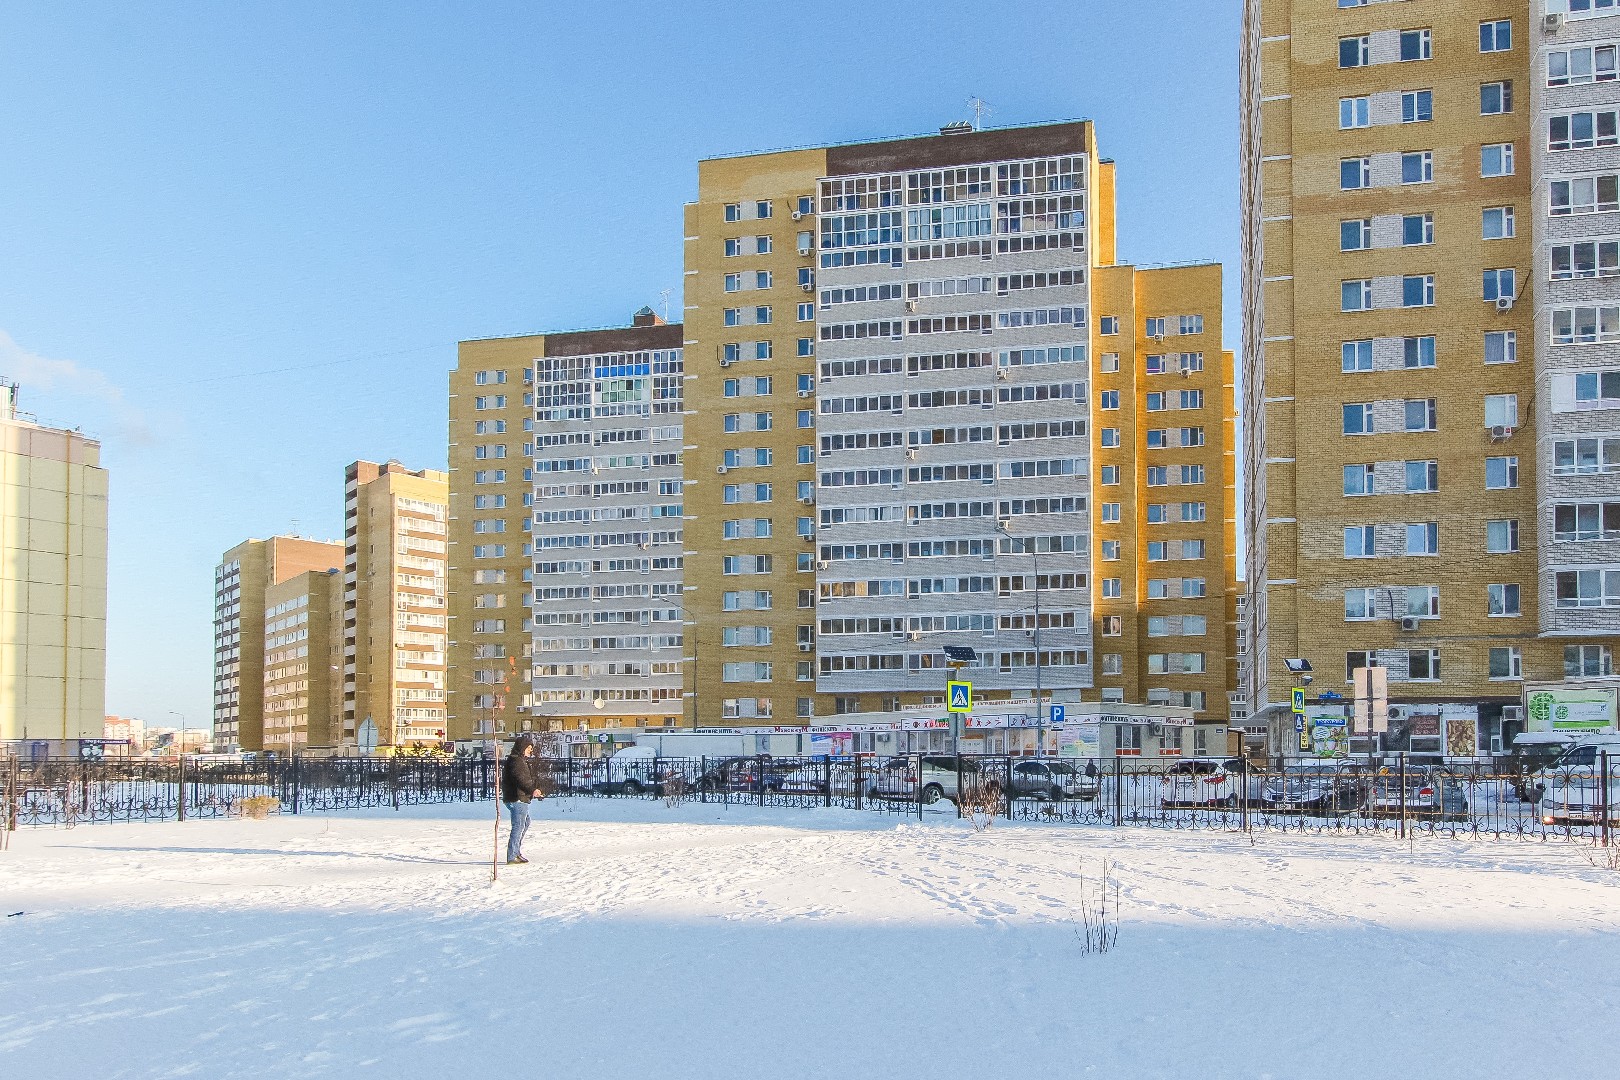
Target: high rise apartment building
[566,557]
[53,582]
[926,408]
[303,660]
[241,579]
[394,606]
[1424,340]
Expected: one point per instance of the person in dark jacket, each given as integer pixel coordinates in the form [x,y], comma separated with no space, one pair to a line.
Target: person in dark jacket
[519,782]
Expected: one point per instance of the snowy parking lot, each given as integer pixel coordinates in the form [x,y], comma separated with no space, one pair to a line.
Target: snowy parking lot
[712,941]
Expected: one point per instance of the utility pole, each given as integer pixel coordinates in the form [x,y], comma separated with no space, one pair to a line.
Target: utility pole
[1023,545]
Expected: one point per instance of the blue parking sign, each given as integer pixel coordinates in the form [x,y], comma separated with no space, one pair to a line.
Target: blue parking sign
[1057,714]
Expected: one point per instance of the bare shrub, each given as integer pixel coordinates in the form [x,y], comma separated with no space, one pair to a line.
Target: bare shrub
[676,788]
[1098,931]
[257,807]
[979,805]
[1606,857]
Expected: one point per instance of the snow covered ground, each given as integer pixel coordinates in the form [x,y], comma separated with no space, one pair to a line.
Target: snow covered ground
[719,942]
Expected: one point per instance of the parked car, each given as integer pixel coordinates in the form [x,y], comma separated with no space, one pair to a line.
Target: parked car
[940,780]
[1429,793]
[1574,791]
[1201,782]
[1052,780]
[1322,787]
[731,774]
[1533,752]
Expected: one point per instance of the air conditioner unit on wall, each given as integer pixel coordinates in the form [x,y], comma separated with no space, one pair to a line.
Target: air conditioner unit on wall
[1500,432]
[1552,22]
[1513,712]
[1409,623]
[1504,303]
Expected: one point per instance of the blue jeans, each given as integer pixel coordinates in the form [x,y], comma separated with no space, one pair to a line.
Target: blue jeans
[520,825]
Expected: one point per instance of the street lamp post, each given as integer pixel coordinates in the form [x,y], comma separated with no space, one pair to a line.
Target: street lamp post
[182,717]
[1024,545]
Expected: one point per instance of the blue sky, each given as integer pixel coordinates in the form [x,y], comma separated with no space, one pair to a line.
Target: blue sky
[240,241]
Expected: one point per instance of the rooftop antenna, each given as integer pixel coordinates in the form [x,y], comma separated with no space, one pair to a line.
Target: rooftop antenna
[981,109]
[294,526]
[664,294]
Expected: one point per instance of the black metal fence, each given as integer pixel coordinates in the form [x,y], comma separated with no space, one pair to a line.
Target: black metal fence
[1394,795]
[68,791]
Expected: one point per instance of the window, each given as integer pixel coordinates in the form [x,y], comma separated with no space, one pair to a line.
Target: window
[1108,399]
[486,378]
[1423,601]
[1497,223]
[1192,436]
[1358,419]
[1502,410]
[762,279]
[1588,662]
[1113,663]
[1422,476]
[1110,550]
[1155,401]
[1587,64]
[1109,437]
[1420,414]
[733,247]
[1496,159]
[1155,327]
[1506,663]
[1355,173]
[1417,167]
[1499,284]
[1110,513]
[762,314]
[1581,130]
[762,208]
[807,455]
[1354,112]
[1355,235]
[1111,588]
[1192,399]
[1501,346]
[807,418]
[1192,588]
[1355,295]
[1417,290]
[1576,457]
[1496,36]
[1417,352]
[1585,325]
[1587,588]
[807,312]
[1417,229]
[1360,604]
[762,245]
[1495,98]
[1417,106]
[1355,51]
[762,350]
[1501,536]
[1358,479]
[1358,542]
[806,490]
[1423,538]
[1423,665]
[806,346]
[1586,521]
[1113,625]
[1356,355]
[734,282]
[1158,475]
[1110,475]
[1501,472]
[1502,601]
[1584,195]
[1108,324]
[1587,259]
[1157,513]
[1109,363]
[1415,45]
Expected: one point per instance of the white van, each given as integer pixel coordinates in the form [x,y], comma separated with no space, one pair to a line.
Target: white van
[1574,792]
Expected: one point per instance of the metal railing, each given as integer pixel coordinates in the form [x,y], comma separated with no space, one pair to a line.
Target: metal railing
[1393,795]
[65,791]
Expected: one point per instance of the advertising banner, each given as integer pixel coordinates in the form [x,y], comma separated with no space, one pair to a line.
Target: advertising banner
[1571,709]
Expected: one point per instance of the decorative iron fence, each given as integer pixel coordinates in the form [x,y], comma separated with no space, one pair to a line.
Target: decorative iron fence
[1394,795]
[69,792]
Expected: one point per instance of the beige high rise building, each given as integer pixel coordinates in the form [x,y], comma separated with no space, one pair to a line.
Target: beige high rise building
[927,407]
[394,606]
[303,639]
[1428,334]
[53,582]
[241,579]
[566,518]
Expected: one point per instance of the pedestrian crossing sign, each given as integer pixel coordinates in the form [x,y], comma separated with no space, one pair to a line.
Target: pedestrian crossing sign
[958,697]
